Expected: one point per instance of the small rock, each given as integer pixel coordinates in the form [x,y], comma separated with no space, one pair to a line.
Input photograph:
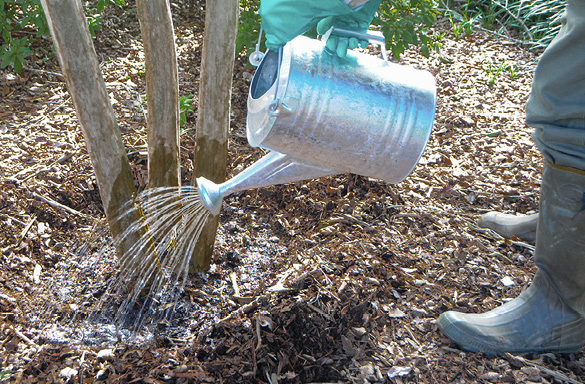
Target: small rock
[105,355]
[181,369]
[68,373]
[37,274]
[367,371]
[359,332]
[233,226]
[393,312]
[397,371]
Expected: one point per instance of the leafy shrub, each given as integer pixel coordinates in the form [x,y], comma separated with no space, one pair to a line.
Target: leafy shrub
[93,15]
[21,21]
[185,107]
[403,23]
[407,22]
[249,26]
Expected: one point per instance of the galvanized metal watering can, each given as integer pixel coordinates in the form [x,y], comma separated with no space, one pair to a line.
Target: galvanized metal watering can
[321,115]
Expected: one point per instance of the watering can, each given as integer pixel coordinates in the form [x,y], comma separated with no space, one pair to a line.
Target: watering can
[319,114]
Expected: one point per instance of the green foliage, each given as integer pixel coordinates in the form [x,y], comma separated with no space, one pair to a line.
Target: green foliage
[513,71]
[19,17]
[493,70]
[20,22]
[538,21]
[249,26]
[94,22]
[185,106]
[23,21]
[15,53]
[408,22]
[101,4]
[461,21]
[93,14]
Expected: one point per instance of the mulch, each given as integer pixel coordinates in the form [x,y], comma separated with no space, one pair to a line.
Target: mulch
[333,280]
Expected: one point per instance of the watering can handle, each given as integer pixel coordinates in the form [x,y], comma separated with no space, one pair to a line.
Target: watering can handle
[373,37]
[257,56]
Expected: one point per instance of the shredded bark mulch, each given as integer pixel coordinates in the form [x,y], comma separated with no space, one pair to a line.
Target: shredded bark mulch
[333,280]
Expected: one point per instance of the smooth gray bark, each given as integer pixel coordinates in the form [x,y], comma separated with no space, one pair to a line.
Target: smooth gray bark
[162,90]
[213,118]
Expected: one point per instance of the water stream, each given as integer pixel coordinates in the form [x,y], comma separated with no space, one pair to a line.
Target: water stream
[87,299]
[103,299]
[173,219]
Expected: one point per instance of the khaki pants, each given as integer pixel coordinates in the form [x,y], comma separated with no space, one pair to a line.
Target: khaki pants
[556,108]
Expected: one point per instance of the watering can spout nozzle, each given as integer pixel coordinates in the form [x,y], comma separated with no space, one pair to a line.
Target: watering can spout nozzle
[210,194]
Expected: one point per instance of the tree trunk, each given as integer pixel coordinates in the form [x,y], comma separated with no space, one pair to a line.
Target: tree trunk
[86,85]
[213,116]
[162,91]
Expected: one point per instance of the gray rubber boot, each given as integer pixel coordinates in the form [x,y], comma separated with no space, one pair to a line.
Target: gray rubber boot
[506,225]
[549,315]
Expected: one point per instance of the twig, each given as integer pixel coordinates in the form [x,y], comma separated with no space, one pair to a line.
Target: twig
[523,244]
[26,229]
[243,309]
[55,204]
[319,311]
[42,71]
[503,258]
[44,116]
[234,280]
[39,172]
[35,168]
[24,338]
[258,334]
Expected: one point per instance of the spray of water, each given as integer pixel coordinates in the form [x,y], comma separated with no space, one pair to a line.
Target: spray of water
[156,267]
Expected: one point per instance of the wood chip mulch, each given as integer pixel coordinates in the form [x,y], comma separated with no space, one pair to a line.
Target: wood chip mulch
[333,280]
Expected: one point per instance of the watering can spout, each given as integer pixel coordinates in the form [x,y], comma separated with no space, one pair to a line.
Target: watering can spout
[273,168]
[210,195]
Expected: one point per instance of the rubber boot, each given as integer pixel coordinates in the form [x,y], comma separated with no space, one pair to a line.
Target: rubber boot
[506,225]
[549,315]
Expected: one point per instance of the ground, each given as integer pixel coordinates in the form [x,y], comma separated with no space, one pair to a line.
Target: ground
[334,280]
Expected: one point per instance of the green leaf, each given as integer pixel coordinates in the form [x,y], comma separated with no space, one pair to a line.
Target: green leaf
[425,50]
[18,65]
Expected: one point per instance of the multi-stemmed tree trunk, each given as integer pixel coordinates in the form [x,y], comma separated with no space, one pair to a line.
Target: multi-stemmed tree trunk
[86,85]
[213,119]
[98,122]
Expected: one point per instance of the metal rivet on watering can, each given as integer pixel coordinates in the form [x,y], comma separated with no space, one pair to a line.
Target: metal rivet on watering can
[320,114]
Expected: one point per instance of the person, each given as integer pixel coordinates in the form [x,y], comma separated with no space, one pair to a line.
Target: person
[550,314]
[283,20]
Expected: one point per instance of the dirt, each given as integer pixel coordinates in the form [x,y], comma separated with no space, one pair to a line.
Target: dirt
[333,280]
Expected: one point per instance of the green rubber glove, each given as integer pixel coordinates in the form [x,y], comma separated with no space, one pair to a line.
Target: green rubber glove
[358,21]
[283,20]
